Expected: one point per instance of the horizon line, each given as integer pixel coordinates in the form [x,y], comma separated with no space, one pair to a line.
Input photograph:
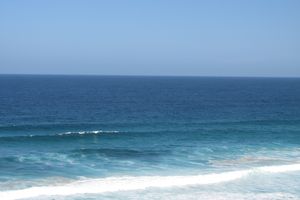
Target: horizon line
[147,75]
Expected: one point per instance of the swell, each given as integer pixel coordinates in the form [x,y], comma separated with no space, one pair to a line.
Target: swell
[120,153]
[114,184]
[64,134]
[51,126]
[33,127]
[86,132]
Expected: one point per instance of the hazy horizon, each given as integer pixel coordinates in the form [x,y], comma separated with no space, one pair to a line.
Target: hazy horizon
[146,75]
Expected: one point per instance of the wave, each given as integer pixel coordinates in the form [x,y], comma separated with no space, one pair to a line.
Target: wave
[167,125]
[126,183]
[120,153]
[69,133]
[87,132]
[46,126]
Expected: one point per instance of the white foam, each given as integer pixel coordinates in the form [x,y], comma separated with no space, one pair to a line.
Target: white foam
[114,184]
[281,168]
[87,132]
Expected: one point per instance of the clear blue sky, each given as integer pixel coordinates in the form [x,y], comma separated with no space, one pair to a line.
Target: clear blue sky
[151,37]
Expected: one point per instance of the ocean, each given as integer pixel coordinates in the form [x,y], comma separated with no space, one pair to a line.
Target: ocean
[138,137]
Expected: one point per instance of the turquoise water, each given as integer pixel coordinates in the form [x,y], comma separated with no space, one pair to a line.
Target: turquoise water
[106,137]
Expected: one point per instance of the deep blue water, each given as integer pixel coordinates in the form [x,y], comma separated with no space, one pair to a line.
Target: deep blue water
[56,130]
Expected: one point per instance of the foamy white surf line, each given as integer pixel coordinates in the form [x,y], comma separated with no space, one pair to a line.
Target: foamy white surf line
[87,132]
[114,184]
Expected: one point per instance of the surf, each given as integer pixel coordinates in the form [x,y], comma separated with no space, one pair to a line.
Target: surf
[126,183]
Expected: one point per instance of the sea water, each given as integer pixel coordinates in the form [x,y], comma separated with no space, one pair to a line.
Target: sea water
[123,137]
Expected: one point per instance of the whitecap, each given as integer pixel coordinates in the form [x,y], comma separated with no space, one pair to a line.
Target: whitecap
[87,132]
[127,183]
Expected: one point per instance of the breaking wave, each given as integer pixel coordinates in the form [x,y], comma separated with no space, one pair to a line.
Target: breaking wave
[69,133]
[87,132]
[115,184]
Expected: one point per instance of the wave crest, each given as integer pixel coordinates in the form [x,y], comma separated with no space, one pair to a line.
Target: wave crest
[114,184]
[69,133]
[87,132]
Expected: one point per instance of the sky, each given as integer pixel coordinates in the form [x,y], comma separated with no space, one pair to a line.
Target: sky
[151,37]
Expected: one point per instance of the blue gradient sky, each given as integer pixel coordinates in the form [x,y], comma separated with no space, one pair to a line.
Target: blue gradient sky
[154,37]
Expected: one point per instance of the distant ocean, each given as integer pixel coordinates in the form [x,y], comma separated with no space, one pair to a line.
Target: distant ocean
[122,137]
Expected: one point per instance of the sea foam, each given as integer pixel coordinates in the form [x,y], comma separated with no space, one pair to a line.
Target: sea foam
[87,132]
[114,184]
